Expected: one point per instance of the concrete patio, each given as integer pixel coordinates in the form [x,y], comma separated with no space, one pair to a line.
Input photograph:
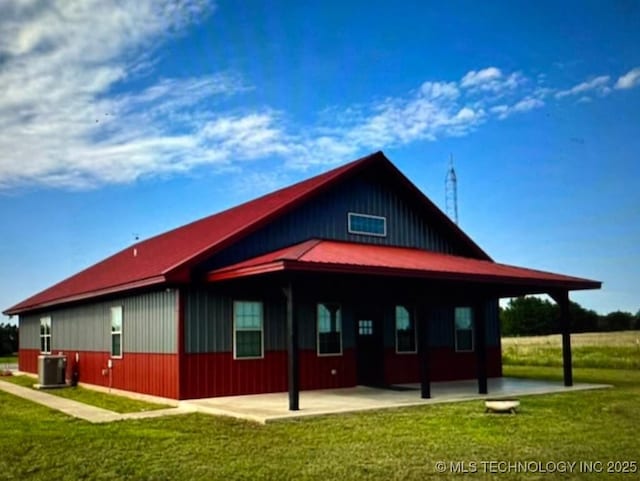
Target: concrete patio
[264,408]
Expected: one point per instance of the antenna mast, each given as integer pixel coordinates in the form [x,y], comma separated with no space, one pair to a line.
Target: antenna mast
[451,192]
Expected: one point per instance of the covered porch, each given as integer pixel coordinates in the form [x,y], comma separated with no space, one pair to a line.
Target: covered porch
[375,276]
[265,408]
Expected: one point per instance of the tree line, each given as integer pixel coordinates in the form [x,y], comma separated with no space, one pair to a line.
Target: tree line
[8,339]
[533,316]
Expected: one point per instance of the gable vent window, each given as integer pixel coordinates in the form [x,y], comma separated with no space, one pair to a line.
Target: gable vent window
[365,224]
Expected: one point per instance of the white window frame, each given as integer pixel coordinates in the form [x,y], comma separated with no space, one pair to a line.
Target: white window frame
[472,329]
[112,310]
[328,354]
[350,215]
[415,329]
[46,337]
[235,330]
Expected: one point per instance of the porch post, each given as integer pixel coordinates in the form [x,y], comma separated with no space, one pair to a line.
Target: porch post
[422,325]
[480,341]
[292,352]
[562,298]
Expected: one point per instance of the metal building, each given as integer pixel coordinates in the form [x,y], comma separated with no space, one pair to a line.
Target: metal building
[350,277]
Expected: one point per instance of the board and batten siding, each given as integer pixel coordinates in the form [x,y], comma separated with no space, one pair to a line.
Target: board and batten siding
[325,217]
[29,332]
[442,327]
[149,325]
[208,322]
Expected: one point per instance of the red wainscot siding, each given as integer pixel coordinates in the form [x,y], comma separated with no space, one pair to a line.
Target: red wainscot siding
[218,374]
[147,373]
[445,365]
[155,374]
[327,372]
[28,360]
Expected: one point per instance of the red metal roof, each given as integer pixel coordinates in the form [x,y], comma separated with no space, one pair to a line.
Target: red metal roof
[169,257]
[345,257]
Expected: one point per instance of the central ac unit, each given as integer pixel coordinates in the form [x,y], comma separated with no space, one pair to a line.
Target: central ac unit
[51,370]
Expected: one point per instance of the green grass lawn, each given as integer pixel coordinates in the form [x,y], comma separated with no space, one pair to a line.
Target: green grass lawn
[119,404]
[401,444]
[617,350]
[8,360]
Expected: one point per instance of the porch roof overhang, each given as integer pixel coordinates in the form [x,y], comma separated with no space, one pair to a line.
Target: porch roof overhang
[323,256]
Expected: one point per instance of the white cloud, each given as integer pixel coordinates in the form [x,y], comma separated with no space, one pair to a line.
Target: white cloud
[439,90]
[245,136]
[62,122]
[69,117]
[432,112]
[491,79]
[629,80]
[500,110]
[598,84]
[528,104]
[503,111]
[475,78]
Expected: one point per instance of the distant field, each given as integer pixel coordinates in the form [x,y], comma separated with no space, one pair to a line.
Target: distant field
[614,350]
[8,360]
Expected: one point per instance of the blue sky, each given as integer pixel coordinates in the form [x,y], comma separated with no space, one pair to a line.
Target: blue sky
[122,120]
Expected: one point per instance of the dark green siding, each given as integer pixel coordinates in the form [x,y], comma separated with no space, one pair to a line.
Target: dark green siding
[441,326]
[325,217]
[209,321]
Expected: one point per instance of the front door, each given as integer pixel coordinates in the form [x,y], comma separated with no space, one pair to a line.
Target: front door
[369,348]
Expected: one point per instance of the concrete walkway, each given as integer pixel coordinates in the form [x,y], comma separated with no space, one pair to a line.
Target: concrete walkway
[84,411]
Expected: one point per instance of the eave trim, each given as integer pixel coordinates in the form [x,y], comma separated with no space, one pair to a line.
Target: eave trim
[87,295]
[291,265]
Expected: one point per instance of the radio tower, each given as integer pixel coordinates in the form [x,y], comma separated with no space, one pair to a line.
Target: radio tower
[451,192]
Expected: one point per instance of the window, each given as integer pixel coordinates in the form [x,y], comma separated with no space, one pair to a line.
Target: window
[116,331]
[367,224]
[464,328]
[329,329]
[248,335]
[45,335]
[405,330]
[365,327]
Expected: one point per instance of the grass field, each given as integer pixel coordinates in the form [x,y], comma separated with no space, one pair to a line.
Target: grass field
[598,426]
[119,404]
[595,426]
[8,360]
[617,350]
